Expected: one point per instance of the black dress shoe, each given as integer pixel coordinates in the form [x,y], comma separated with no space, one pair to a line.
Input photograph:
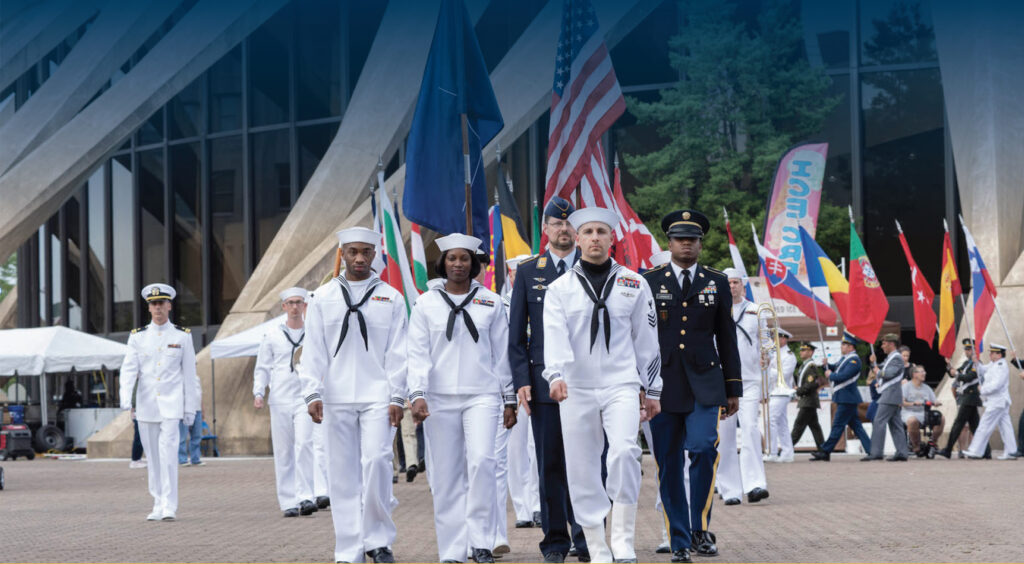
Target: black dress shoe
[524,524]
[382,554]
[733,501]
[536,518]
[897,458]
[572,551]
[681,555]
[945,452]
[323,502]
[307,507]
[821,455]
[556,557]
[663,549]
[410,474]
[293,512]
[869,458]
[755,495]
[482,555]
[582,556]
[704,543]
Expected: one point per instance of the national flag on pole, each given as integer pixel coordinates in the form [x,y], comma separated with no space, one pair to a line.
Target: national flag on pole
[823,273]
[585,100]
[784,285]
[983,289]
[455,82]
[737,258]
[399,274]
[924,315]
[949,288]
[493,274]
[419,259]
[868,305]
[512,232]
[380,263]
[639,244]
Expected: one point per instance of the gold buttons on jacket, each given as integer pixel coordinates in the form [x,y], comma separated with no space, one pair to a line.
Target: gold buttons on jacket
[682,346]
[684,318]
[684,304]
[682,332]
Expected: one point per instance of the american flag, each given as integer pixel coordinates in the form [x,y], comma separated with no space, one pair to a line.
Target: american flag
[585,101]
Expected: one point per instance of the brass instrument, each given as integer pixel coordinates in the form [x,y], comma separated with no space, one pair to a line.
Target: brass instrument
[768,341]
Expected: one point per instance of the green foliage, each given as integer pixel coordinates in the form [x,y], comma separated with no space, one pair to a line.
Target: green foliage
[8,275]
[746,95]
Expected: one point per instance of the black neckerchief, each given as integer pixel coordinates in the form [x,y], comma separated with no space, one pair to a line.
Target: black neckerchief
[743,311]
[295,345]
[584,271]
[345,293]
[461,308]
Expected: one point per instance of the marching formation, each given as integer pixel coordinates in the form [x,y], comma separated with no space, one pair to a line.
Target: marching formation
[584,351]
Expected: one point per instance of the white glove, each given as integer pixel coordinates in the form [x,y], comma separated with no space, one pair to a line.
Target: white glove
[190,418]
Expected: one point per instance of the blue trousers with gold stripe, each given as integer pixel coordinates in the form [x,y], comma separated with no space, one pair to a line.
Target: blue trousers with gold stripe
[697,434]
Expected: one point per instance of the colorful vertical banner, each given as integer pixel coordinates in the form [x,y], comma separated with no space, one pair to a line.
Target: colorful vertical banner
[794,203]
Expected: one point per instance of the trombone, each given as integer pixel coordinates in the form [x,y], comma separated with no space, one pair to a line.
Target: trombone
[768,341]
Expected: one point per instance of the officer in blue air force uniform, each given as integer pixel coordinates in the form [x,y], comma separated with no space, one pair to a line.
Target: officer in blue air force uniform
[694,307]
[843,375]
[526,356]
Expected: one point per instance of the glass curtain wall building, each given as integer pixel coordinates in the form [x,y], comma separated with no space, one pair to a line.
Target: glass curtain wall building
[196,194]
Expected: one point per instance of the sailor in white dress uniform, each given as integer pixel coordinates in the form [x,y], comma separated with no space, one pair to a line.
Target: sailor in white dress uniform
[353,380]
[995,396]
[162,361]
[778,401]
[291,429]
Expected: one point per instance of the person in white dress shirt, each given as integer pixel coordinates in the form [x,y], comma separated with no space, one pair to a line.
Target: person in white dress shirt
[162,361]
[778,401]
[995,395]
[602,363]
[353,382]
[459,378]
[291,430]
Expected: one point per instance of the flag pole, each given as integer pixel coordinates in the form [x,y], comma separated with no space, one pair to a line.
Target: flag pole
[469,180]
[963,303]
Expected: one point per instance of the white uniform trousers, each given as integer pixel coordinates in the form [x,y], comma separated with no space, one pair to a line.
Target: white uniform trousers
[291,434]
[589,415]
[461,469]
[320,485]
[501,475]
[160,441]
[749,419]
[728,479]
[359,456]
[993,418]
[782,441]
[523,478]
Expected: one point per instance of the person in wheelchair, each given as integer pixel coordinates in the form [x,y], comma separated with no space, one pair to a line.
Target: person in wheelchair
[918,401]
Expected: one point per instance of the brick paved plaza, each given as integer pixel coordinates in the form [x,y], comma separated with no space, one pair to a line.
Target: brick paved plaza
[840,511]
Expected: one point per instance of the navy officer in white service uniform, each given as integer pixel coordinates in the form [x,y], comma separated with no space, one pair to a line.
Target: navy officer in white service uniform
[291,429]
[162,360]
[602,364]
[353,380]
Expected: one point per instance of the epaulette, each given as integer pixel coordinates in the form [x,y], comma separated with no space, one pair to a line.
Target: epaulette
[137,329]
[180,328]
[656,268]
[714,270]
[526,260]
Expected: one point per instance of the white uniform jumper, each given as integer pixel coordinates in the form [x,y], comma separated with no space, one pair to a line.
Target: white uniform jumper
[778,405]
[603,342]
[739,474]
[162,359]
[353,360]
[291,429]
[995,396]
[458,362]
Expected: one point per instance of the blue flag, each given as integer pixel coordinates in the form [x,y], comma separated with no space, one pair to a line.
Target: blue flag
[455,82]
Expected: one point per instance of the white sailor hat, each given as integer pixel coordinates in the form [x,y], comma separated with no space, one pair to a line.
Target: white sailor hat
[783,333]
[155,292]
[733,273]
[586,215]
[358,235]
[658,259]
[997,348]
[458,241]
[294,292]
[513,263]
